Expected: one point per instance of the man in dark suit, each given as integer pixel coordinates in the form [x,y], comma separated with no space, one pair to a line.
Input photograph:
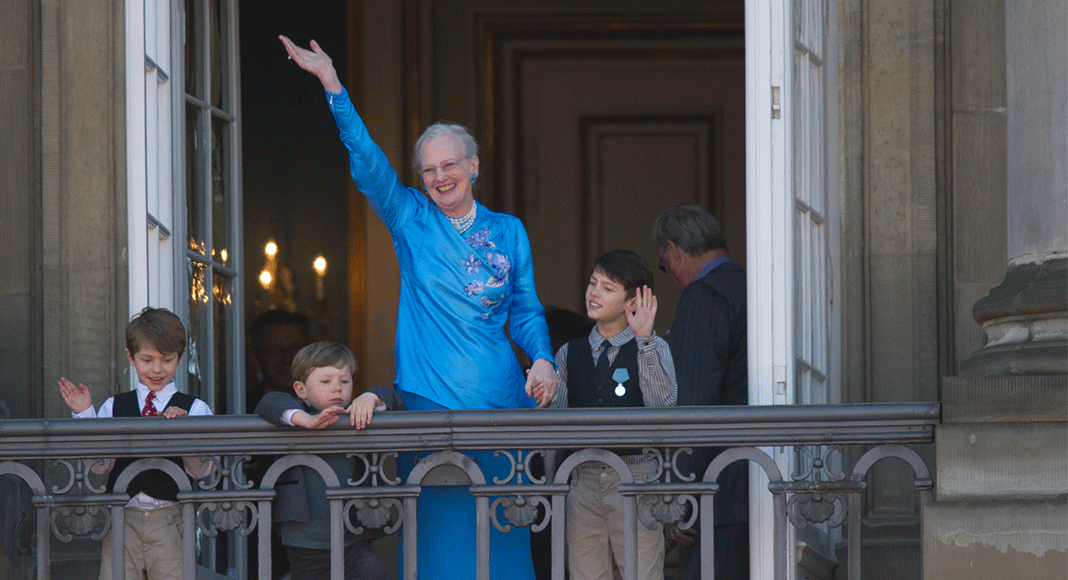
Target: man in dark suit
[708,344]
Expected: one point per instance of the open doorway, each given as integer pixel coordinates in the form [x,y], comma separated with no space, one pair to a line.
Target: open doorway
[294,172]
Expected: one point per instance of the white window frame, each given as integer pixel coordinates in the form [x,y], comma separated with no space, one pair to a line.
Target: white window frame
[157,232]
[157,237]
[772,205]
[150,123]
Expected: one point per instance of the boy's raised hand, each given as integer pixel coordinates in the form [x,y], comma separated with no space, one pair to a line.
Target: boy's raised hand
[640,318]
[362,408]
[327,416]
[78,398]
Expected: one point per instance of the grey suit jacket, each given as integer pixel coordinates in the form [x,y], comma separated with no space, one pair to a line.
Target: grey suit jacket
[291,501]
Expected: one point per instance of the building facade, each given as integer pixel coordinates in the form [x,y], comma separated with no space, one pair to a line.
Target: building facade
[891,174]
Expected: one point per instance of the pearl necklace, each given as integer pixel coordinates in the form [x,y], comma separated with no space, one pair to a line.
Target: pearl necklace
[462,224]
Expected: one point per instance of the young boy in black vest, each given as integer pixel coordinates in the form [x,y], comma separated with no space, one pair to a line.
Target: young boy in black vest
[622,363]
[155,343]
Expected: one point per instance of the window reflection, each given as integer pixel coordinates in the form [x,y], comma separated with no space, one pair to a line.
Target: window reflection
[192,44]
[221,291]
[194,179]
[220,190]
[198,319]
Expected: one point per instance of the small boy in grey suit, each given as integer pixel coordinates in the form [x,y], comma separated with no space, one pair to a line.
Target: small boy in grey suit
[322,374]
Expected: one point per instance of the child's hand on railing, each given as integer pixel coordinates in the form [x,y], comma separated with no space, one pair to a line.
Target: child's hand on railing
[362,408]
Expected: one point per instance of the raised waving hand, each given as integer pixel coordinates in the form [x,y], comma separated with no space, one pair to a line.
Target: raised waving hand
[314,61]
[640,318]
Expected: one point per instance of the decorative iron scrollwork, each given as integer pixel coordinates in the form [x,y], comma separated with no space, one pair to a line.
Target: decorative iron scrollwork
[665,509]
[817,508]
[228,472]
[80,521]
[79,472]
[816,503]
[818,464]
[373,469]
[520,511]
[373,514]
[520,465]
[227,516]
[669,463]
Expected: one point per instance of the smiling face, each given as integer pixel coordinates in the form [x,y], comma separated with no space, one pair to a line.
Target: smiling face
[155,369]
[325,387]
[447,174]
[606,300]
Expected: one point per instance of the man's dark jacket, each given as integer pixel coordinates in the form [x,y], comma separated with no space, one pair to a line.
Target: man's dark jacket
[708,344]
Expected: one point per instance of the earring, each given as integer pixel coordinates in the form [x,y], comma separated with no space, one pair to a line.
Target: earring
[473,176]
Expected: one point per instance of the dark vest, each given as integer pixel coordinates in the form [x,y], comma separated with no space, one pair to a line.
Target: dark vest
[154,483]
[586,389]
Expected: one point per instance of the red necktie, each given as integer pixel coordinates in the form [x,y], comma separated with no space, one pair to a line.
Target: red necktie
[150,409]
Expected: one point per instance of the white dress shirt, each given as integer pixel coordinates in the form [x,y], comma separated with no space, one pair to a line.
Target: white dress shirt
[194,466]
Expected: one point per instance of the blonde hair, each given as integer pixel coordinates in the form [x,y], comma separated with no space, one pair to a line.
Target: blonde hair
[321,354]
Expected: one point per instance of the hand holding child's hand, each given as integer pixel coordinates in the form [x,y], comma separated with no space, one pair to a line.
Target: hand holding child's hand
[172,412]
[327,416]
[542,382]
[77,397]
[673,535]
[641,318]
[361,409]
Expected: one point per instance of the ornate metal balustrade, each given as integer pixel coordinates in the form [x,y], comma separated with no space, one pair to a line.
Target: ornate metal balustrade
[50,457]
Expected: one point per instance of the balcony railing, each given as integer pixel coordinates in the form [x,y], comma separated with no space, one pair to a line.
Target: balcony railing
[48,455]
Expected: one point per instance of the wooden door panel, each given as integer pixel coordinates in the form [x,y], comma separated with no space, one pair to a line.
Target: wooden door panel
[633,168]
[602,147]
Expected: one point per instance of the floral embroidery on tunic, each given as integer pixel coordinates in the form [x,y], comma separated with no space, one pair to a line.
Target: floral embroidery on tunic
[497,264]
[491,303]
[472,263]
[500,263]
[480,239]
[474,288]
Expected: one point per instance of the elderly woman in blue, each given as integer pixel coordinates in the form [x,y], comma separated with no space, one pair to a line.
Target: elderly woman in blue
[465,272]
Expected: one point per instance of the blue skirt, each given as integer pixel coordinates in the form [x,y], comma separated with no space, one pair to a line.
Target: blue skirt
[447,537]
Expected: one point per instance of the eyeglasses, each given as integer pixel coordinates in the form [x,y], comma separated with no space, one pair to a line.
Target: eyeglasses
[661,266]
[450,168]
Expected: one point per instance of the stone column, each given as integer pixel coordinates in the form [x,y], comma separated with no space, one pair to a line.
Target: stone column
[1026,317]
[1002,448]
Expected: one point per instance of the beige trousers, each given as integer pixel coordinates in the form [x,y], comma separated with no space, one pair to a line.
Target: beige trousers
[153,545]
[595,526]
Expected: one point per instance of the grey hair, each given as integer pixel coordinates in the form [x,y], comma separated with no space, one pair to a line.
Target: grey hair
[468,143]
[690,227]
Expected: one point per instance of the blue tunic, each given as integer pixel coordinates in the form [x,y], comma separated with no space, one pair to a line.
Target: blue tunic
[457,290]
[457,293]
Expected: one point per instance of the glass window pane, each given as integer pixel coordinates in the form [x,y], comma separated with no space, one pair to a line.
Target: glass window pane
[223,307]
[152,160]
[221,198]
[194,180]
[220,72]
[193,50]
[199,337]
[800,309]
